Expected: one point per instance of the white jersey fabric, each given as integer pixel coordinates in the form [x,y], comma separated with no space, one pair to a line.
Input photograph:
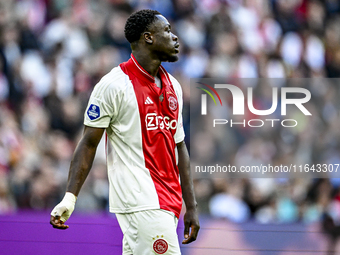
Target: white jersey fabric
[143,124]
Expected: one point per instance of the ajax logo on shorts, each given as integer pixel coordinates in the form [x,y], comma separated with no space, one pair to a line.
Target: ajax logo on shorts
[93,112]
[160,246]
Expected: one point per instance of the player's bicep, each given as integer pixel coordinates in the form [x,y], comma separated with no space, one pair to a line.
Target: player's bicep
[92,136]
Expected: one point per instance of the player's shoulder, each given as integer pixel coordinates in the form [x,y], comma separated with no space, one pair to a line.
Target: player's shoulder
[173,80]
[175,83]
[112,82]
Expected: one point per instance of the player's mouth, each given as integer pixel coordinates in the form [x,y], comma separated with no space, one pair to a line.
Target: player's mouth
[176,47]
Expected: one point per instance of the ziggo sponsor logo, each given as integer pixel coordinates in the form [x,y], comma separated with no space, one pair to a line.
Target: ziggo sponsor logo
[154,121]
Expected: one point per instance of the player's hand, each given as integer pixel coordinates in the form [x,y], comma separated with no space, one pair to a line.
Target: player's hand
[62,211]
[191,226]
[57,223]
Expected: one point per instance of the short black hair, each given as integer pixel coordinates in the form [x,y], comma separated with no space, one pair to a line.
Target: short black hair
[138,23]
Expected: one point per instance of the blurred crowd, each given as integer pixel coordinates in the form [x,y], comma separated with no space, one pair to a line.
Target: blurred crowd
[53,52]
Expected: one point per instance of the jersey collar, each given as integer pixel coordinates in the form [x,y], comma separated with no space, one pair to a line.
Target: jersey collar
[139,70]
[134,66]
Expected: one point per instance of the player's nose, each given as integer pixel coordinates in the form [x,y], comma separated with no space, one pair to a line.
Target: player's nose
[174,37]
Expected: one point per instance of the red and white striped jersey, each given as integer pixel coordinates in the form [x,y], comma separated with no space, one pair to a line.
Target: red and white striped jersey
[143,124]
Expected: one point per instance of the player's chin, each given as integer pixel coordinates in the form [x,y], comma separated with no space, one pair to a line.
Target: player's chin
[173,58]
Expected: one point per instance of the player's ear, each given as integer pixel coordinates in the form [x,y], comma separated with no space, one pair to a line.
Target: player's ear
[148,38]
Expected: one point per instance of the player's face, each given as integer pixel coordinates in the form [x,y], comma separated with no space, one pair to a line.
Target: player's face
[165,43]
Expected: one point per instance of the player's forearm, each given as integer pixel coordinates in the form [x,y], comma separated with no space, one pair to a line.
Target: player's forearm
[185,175]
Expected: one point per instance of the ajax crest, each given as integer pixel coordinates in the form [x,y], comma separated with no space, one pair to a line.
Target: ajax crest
[160,246]
[172,103]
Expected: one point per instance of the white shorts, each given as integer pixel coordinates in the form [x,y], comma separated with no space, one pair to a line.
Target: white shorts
[149,232]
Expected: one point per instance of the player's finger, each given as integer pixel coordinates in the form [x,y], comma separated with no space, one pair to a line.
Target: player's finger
[61,226]
[55,219]
[57,223]
[52,220]
[186,229]
[193,235]
[194,231]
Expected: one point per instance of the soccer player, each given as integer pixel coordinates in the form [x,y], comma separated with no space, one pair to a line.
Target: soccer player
[139,105]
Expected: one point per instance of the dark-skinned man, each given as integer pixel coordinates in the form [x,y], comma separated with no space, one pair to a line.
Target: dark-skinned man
[139,105]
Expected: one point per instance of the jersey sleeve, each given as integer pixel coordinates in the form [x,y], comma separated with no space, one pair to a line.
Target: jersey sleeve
[100,109]
[179,135]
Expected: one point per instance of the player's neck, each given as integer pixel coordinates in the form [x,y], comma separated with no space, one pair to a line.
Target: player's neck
[147,62]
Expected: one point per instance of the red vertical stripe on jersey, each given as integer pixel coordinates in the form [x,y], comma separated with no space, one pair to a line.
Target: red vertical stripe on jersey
[158,142]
